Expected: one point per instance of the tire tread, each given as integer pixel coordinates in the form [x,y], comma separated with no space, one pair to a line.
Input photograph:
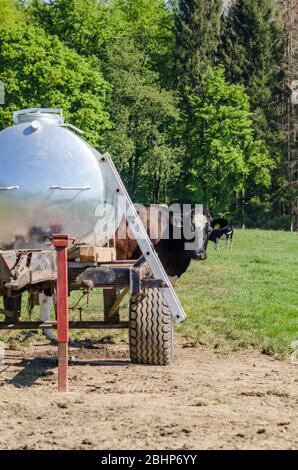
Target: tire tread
[150,329]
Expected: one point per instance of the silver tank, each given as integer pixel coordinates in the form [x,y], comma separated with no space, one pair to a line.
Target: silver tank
[50,182]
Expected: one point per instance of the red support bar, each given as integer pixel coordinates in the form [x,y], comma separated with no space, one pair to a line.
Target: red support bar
[61,243]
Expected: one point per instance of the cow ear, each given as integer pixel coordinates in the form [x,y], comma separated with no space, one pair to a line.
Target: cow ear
[215,224]
[207,213]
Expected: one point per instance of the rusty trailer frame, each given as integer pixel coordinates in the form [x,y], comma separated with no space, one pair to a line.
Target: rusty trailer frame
[37,270]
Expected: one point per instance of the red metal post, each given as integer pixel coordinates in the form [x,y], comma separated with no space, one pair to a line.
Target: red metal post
[61,242]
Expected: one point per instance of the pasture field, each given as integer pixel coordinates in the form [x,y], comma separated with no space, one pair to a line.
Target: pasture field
[246,297]
[239,299]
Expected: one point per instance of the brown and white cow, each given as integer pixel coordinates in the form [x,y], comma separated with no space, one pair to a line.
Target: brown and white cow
[166,231]
[164,228]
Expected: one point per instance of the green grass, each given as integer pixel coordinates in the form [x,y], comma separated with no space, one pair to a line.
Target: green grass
[244,298]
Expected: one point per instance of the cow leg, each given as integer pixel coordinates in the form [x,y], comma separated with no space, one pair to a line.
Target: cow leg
[45,304]
[217,244]
[109,298]
[13,305]
[229,243]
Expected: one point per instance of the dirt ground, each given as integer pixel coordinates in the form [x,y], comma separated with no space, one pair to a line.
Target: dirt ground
[202,401]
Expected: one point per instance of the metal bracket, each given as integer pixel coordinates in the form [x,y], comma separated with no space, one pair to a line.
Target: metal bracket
[71,188]
[140,234]
[117,303]
[35,112]
[73,128]
[9,188]
[135,281]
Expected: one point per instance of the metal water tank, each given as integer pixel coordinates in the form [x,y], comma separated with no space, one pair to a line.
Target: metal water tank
[50,182]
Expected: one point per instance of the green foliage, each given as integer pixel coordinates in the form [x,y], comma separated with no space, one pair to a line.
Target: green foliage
[133,39]
[141,78]
[84,25]
[151,26]
[143,115]
[11,14]
[197,39]
[91,26]
[225,151]
[40,71]
[252,51]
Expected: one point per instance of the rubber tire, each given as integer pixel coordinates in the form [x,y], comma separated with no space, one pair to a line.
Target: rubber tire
[150,329]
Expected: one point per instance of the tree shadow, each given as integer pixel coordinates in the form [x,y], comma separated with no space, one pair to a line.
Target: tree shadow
[36,368]
[32,370]
[91,344]
[100,362]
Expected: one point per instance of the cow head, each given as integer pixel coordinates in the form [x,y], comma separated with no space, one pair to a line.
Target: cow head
[198,224]
[201,223]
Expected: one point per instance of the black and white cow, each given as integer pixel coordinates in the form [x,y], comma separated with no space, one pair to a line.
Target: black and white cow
[222,230]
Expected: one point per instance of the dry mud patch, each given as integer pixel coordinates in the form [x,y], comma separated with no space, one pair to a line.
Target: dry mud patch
[201,401]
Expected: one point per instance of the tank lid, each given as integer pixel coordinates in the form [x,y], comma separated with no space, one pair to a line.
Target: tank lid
[55,116]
